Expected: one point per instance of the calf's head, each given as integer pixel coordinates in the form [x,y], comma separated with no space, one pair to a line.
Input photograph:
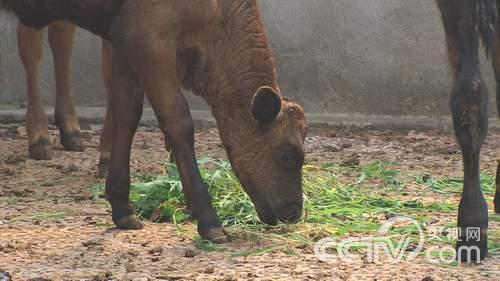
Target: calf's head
[267,155]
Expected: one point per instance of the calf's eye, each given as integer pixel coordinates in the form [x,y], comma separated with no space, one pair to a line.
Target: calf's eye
[288,157]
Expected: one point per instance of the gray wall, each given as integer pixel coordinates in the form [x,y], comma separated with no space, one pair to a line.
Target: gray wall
[383,57]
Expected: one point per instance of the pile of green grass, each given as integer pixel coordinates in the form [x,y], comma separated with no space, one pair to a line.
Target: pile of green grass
[356,205]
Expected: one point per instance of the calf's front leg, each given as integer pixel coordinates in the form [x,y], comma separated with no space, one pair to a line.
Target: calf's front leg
[157,72]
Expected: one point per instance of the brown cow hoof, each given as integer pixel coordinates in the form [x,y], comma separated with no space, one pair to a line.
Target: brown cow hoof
[216,235]
[40,151]
[129,223]
[72,142]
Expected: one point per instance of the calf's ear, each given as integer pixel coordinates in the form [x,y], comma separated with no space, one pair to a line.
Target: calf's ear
[266,105]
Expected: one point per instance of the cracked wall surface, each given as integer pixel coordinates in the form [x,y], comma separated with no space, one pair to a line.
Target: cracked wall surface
[372,57]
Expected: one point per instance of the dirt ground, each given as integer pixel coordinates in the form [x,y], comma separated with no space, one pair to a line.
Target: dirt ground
[52,228]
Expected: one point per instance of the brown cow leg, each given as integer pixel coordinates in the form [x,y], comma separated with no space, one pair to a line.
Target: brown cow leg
[30,51]
[61,42]
[126,109]
[159,78]
[468,100]
[107,130]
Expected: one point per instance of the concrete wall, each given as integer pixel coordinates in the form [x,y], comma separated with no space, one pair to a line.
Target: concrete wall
[381,57]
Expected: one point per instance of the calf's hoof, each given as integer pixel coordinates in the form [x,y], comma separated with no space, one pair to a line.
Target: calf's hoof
[130,222]
[471,249]
[216,235]
[124,217]
[72,142]
[497,202]
[40,151]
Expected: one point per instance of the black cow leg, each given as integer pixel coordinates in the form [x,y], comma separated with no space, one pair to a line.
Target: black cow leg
[468,100]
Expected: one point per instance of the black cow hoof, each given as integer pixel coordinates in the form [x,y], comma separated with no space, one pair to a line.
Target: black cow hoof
[216,235]
[130,222]
[472,251]
[41,151]
[72,142]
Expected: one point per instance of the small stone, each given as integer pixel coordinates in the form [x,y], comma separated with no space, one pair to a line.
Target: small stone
[103,276]
[133,253]
[90,243]
[20,193]
[7,171]
[346,145]
[209,270]
[130,268]
[171,268]
[156,250]
[69,169]
[333,148]
[352,160]
[155,259]
[428,278]
[190,253]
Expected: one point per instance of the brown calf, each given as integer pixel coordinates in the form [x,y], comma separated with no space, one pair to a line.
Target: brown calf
[465,23]
[60,35]
[217,48]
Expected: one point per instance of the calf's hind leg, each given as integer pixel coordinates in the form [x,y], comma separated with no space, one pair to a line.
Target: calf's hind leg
[61,36]
[468,102]
[107,130]
[29,43]
[126,109]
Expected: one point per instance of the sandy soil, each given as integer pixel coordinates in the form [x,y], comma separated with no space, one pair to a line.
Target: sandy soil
[52,229]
